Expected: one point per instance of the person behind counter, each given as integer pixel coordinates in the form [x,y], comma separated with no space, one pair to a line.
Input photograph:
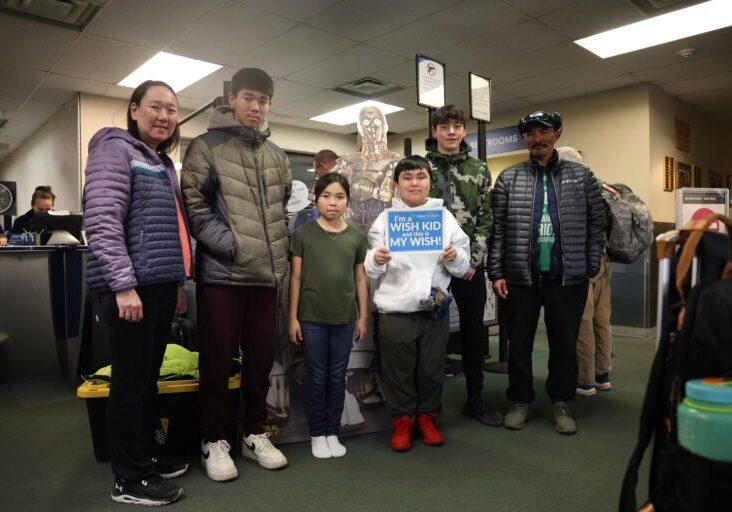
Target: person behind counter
[139,254]
[42,201]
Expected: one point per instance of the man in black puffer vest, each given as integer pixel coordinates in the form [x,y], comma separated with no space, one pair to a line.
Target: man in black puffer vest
[549,221]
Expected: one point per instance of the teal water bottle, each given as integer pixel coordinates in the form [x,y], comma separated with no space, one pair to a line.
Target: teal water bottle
[705,418]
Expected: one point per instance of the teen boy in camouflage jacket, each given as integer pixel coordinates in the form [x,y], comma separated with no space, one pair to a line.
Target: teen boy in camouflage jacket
[464,183]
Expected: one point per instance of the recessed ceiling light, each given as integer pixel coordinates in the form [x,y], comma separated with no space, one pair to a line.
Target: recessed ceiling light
[176,71]
[348,115]
[673,26]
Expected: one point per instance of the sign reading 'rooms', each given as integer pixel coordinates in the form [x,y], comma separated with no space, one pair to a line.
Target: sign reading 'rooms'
[415,230]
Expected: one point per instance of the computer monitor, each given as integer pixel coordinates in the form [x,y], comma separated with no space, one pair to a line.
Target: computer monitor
[47,223]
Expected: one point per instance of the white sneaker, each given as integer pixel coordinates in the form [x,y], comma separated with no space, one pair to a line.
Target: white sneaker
[258,447]
[319,447]
[217,461]
[336,448]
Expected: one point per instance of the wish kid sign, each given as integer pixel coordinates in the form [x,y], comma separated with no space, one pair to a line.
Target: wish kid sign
[415,230]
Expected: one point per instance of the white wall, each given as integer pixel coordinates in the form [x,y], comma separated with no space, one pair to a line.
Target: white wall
[49,157]
[710,143]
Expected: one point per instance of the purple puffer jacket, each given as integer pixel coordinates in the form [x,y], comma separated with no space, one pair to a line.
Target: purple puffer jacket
[130,214]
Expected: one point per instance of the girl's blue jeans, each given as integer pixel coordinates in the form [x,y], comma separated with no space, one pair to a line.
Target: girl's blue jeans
[327,349]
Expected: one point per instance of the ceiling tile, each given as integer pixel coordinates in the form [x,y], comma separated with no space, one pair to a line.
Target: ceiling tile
[228,32]
[156,23]
[507,106]
[188,103]
[354,63]
[117,91]
[456,91]
[499,95]
[287,92]
[316,105]
[31,44]
[691,68]
[18,82]
[295,50]
[449,27]
[706,45]
[9,105]
[406,98]
[543,98]
[406,120]
[101,59]
[707,97]
[701,84]
[584,73]
[299,10]
[561,56]
[313,125]
[209,86]
[498,46]
[539,7]
[582,19]
[403,75]
[361,21]
[59,88]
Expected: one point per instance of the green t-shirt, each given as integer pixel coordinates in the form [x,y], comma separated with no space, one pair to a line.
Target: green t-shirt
[327,285]
[546,233]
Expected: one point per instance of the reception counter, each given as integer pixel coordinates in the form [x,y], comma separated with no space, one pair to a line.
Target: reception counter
[41,298]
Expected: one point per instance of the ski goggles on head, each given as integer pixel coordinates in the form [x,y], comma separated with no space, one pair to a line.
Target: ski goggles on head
[553,119]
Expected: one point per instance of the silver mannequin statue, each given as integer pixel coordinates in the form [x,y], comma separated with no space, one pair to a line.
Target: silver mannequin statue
[370,172]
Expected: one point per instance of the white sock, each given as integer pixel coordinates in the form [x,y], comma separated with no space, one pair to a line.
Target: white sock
[336,448]
[319,447]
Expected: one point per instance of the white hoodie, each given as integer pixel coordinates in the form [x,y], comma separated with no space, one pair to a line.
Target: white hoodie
[409,277]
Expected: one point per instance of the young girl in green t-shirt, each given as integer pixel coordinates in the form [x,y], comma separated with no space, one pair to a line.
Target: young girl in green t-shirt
[328,308]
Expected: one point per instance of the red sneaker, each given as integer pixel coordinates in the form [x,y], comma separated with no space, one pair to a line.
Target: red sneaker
[401,435]
[427,429]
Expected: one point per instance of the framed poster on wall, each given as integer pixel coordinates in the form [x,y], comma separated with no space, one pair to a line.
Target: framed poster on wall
[684,176]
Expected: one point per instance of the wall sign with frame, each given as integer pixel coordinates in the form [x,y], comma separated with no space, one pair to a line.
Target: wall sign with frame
[685,175]
[480,98]
[430,82]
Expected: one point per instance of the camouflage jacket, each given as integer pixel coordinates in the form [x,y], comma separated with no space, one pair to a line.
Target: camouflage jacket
[464,183]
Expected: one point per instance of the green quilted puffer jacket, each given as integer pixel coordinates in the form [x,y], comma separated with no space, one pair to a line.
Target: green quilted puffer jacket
[236,184]
[464,184]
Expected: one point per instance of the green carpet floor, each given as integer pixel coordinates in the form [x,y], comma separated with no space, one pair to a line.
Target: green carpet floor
[47,462]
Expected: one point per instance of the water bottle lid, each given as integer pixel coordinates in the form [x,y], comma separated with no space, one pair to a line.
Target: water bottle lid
[715,390]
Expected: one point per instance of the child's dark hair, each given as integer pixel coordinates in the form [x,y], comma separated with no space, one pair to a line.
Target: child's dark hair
[412,163]
[329,178]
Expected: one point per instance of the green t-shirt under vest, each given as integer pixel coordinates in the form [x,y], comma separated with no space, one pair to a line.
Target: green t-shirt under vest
[546,233]
[327,281]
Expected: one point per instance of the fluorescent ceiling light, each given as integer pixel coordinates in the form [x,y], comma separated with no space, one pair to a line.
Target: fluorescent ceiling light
[176,71]
[673,26]
[348,115]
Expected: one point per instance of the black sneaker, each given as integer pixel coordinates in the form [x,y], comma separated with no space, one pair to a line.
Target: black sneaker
[602,382]
[150,492]
[477,409]
[169,468]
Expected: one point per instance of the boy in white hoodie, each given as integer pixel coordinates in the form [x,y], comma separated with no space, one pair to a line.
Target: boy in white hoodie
[412,339]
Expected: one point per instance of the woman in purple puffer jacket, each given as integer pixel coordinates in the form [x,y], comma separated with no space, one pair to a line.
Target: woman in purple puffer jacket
[139,254]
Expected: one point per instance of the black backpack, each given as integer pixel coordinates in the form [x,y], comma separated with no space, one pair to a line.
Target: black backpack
[695,341]
[630,230]
[182,333]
